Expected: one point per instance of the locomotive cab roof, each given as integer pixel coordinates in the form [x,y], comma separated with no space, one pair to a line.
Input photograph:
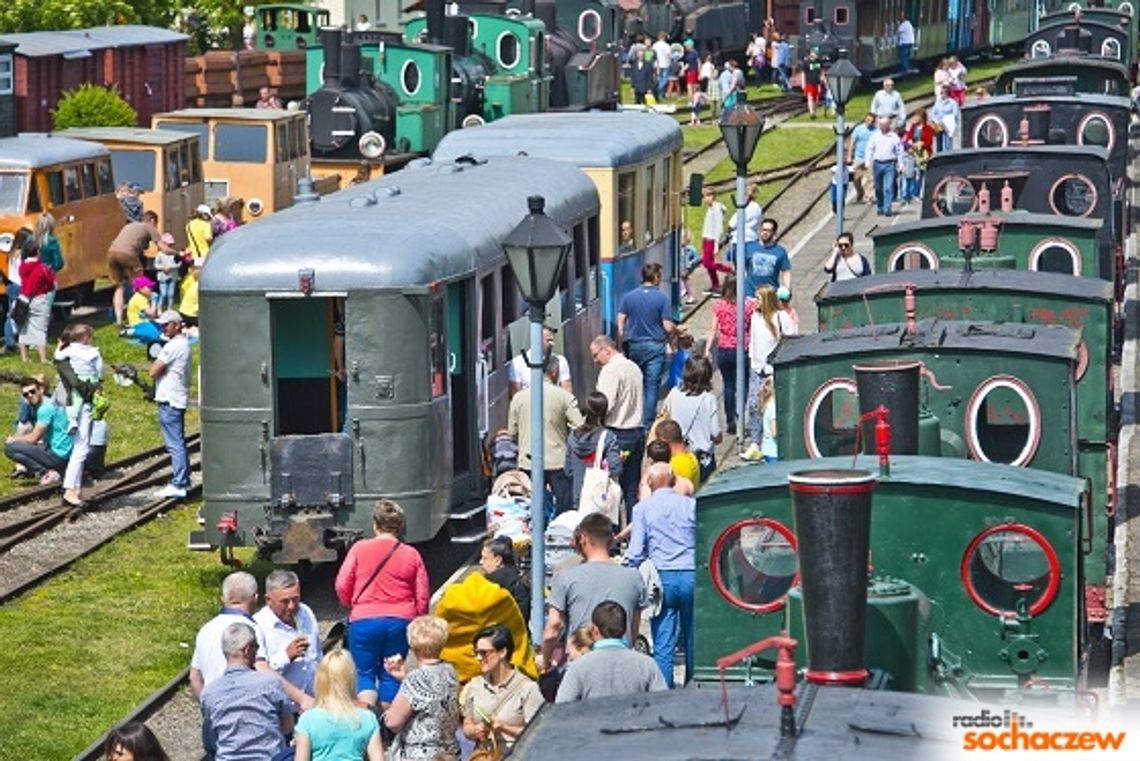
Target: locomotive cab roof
[399,231]
[614,138]
[919,227]
[1042,283]
[1029,154]
[30,150]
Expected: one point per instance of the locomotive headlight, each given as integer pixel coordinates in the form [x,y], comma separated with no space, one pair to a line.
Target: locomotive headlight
[255,206]
[372,145]
[473,120]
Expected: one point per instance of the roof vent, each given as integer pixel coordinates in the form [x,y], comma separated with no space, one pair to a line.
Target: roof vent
[392,191]
[360,202]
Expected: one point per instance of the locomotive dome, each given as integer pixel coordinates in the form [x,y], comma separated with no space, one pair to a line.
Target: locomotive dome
[406,229]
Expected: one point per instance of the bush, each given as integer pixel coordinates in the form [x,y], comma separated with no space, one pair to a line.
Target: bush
[93,106]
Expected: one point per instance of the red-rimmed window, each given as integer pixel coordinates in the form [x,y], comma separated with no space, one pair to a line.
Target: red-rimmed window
[1007,563]
[753,564]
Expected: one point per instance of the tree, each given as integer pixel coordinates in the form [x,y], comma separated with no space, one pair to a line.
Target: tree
[93,106]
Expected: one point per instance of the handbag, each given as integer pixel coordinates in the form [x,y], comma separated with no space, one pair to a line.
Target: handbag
[488,751]
[20,311]
[600,493]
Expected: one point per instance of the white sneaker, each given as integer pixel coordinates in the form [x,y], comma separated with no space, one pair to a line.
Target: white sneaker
[170,491]
[752,453]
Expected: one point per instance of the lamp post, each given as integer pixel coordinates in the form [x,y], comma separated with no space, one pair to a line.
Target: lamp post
[741,128]
[536,250]
[841,79]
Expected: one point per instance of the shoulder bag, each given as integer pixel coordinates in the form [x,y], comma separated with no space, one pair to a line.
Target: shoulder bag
[600,493]
[489,750]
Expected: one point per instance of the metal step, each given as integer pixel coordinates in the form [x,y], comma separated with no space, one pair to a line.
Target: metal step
[478,536]
[479,508]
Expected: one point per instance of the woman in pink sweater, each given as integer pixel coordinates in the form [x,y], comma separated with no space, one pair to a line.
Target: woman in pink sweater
[385,584]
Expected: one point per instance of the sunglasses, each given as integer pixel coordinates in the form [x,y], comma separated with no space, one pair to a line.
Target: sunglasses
[481,654]
[29,393]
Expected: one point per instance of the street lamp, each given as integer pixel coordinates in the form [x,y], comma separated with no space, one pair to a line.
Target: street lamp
[841,80]
[536,250]
[741,128]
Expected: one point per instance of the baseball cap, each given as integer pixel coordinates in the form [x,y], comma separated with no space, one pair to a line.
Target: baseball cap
[204,209]
[142,281]
[7,240]
[783,294]
[168,239]
[134,187]
[169,316]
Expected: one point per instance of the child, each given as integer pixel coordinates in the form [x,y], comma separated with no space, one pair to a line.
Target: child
[835,189]
[689,262]
[77,348]
[140,308]
[167,266]
[784,296]
[768,450]
[188,297]
[911,172]
[712,230]
[696,102]
[714,95]
[682,343]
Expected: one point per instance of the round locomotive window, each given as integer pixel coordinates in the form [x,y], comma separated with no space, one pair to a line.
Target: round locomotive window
[508,50]
[753,564]
[1096,129]
[1073,195]
[1125,8]
[410,78]
[1007,564]
[589,25]
[1003,422]
[1040,49]
[991,131]
[831,418]
[912,256]
[954,196]
[1055,255]
[473,25]
[1110,48]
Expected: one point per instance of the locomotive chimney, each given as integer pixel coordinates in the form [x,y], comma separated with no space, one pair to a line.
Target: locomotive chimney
[526,7]
[894,386]
[832,512]
[331,41]
[350,65]
[435,21]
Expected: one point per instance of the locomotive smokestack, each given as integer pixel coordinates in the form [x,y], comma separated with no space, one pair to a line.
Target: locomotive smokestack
[527,7]
[435,16]
[832,511]
[894,386]
[331,41]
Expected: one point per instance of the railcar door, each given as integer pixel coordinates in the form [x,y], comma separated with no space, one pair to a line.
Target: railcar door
[461,367]
[305,389]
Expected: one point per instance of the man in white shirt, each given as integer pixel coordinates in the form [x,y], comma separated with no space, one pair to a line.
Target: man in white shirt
[292,636]
[239,596]
[906,42]
[888,102]
[663,60]
[518,374]
[171,371]
[884,150]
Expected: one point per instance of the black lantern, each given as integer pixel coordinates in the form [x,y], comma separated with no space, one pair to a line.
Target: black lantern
[537,250]
[741,128]
[841,79]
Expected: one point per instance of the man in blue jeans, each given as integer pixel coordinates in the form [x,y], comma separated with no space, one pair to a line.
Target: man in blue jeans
[645,321]
[884,150]
[665,532]
[171,371]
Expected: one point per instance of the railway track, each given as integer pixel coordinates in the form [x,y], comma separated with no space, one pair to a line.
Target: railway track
[142,471]
[788,104]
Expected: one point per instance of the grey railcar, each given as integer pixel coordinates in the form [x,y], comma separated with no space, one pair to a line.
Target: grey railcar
[412,266]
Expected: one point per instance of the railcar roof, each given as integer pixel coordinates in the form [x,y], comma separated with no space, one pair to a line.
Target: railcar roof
[76,42]
[129,135]
[423,224]
[1019,281]
[1016,217]
[589,139]
[32,149]
[238,114]
[907,471]
[933,334]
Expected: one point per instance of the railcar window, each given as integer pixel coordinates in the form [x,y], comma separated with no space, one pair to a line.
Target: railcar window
[488,325]
[89,187]
[627,220]
[201,130]
[6,75]
[104,176]
[281,140]
[511,297]
[71,184]
[172,180]
[842,16]
[593,231]
[185,164]
[55,187]
[565,280]
[134,166]
[437,348]
[195,162]
[269,21]
[650,203]
[581,267]
[755,564]
[12,188]
[410,77]
[1007,566]
[508,50]
[297,139]
[665,194]
[242,143]
[34,204]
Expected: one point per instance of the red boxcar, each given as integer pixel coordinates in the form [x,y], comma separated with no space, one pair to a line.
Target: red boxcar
[146,63]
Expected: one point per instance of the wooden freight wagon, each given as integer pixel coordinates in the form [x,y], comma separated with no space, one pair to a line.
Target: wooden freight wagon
[146,63]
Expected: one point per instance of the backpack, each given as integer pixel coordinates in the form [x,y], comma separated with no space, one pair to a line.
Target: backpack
[600,493]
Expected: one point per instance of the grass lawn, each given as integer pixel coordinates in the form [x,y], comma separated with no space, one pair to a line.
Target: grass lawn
[699,137]
[133,421]
[88,646]
[777,148]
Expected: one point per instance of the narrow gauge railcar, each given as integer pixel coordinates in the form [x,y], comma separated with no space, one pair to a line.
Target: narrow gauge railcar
[998,240]
[1068,181]
[1107,34]
[993,559]
[868,30]
[634,160]
[1055,117]
[288,26]
[424,294]
[165,164]
[1012,297]
[1095,76]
